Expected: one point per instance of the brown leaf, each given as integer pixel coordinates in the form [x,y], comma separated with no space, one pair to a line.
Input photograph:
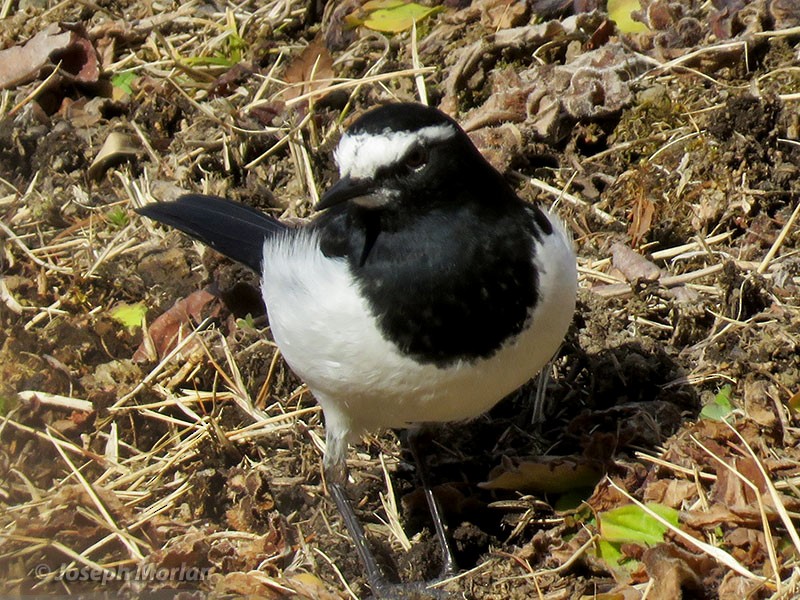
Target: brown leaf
[502,14]
[167,330]
[555,474]
[758,403]
[54,44]
[499,145]
[117,148]
[313,64]
[633,265]
[717,515]
[641,218]
[670,492]
[736,587]
[734,493]
[673,569]
[748,546]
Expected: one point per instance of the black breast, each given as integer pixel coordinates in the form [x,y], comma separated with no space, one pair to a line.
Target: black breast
[451,285]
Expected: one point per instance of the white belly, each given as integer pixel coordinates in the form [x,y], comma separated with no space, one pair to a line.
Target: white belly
[329,337]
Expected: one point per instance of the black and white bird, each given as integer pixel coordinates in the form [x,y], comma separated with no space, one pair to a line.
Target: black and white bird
[426,290]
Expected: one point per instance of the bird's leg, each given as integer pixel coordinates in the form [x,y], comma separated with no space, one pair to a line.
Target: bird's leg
[336,476]
[413,439]
[356,531]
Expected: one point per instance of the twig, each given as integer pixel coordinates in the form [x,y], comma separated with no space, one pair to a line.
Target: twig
[56,400]
[121,535]
[574,200]
[20,244]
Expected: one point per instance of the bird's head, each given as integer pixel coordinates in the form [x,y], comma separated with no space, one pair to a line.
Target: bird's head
[405,155]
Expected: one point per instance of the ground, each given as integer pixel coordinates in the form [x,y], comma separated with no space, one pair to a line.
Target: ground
[150,428]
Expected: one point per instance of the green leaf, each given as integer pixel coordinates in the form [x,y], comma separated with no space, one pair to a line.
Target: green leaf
[130,316]
[393,16]
[631,523]
[720,407]
[611,554]
[620,12]
[123,81]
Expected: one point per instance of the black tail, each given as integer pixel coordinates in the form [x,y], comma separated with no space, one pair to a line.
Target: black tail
[235,230]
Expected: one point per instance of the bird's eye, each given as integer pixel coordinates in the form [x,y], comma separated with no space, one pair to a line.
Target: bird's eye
[416,158]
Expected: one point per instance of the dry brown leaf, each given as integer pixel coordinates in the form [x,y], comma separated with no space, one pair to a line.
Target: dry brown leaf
[748,546]
[673,570]
[633,265]
[313,64]
[758,403]
[499,145]
[736,587]
[175,324]
[554,474]
[641,218]
[54,44]
[502,14]
[670,492]
[717,515]
[545,99]
[117,147]
[734,493]
[308,585]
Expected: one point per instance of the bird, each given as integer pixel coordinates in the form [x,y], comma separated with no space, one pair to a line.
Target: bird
[423,291]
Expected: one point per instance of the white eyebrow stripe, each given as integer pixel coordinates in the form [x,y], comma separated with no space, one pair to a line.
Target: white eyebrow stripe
[360,156]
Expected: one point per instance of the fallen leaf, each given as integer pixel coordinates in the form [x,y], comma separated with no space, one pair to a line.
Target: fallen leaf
[167,330]
[117,148]
[670,492]
[553,474]
[674,571]
[631,523]
[758,403]
[720,407]
[620,11]
[546,99]
[309,70]
[131,316]
[390,16]
[502,14]
[633,265]
[54,44]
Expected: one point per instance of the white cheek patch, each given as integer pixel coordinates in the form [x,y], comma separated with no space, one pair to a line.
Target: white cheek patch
[361,155]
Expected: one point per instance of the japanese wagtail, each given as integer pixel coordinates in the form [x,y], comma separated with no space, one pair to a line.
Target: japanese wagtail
[425,291]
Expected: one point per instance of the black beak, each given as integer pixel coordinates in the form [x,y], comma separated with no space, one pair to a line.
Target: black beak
[343,190]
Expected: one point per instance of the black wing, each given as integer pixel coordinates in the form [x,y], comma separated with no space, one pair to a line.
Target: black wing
[233,229]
